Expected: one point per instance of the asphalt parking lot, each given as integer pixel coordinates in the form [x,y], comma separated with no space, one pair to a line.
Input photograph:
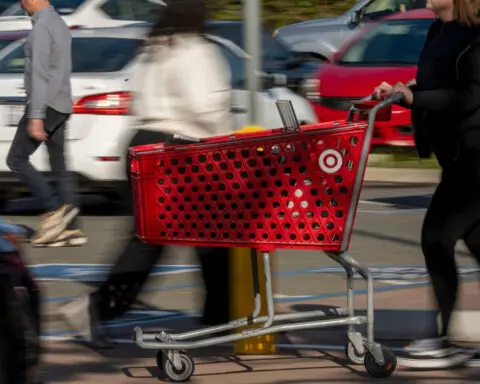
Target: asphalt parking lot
[386,238]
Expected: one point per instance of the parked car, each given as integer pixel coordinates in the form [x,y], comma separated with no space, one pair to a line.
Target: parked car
[386,51]
[324,37]
[103,60]
[87,13]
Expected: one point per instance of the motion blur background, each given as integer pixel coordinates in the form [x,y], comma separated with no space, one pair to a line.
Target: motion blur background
[320,54]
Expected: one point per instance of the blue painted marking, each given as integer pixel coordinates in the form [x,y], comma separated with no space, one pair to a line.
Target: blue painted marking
[394,275]
[397,277]
[162,316]
[95,272]
[124,323]
[400,274]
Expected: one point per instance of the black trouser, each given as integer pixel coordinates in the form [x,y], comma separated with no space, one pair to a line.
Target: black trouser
[136,260]
[453,214]
[18,160]
[19,320]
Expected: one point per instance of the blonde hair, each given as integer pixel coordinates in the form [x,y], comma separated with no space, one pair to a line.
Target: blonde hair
[467,12]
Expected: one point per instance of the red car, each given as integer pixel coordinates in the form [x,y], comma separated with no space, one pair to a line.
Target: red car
[385,51]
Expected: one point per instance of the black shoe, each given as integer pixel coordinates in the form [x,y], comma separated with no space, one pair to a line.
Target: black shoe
[81,315]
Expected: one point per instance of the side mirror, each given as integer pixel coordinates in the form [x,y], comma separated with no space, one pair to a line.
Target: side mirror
[355,17]
[271,80]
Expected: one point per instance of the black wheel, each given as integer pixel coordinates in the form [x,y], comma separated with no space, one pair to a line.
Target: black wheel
[381,371]
[184,373]
[353,355]
[160,359]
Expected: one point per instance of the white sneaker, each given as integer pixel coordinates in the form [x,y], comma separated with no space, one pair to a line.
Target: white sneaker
[54,223]
[68,238]
[433,354]
[81,315]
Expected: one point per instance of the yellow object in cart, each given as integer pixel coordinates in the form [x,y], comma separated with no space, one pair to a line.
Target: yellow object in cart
[241,292]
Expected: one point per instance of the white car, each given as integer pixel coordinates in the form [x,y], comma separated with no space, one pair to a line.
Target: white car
[99,129]
[87,13]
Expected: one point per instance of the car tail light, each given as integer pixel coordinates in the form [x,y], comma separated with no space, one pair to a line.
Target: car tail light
[310,88]
[75,27]
[115,103]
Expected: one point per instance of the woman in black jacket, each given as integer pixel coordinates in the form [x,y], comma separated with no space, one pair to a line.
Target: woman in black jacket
[445,104]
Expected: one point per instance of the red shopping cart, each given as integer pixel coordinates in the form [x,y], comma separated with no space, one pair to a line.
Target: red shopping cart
[294,187]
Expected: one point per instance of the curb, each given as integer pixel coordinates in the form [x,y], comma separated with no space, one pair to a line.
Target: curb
[402,175]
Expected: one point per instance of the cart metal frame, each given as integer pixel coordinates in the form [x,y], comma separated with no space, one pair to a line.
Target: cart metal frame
[379,361]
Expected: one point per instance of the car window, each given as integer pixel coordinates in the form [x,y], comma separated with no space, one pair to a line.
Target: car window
[395,42]
[273,49]
[237,67]
[4,43]
[63,7]
[114,53]
[135,10]
[5,4]
[381,8]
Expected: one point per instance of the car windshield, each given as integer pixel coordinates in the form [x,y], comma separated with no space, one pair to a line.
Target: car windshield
[63,7]
[89,54]
[393,42]
[272,48]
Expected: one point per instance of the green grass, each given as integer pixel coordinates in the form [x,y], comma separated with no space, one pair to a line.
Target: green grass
[402,158]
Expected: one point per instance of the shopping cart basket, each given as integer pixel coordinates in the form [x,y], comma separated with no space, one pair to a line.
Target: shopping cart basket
[296,187]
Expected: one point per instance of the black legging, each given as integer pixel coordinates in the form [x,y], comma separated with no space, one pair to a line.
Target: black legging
[453,214]
[136,260]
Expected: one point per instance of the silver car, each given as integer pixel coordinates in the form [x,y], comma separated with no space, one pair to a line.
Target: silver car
[323,37]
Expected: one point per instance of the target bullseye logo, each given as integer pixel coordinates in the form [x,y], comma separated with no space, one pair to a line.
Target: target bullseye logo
[330,161]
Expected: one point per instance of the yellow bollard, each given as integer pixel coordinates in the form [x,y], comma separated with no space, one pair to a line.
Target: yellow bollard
[241,293]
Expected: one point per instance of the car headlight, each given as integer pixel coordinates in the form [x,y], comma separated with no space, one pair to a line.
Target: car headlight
[310,88]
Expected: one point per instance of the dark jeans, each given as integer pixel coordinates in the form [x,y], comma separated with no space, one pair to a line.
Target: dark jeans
[136,260]
[18,160]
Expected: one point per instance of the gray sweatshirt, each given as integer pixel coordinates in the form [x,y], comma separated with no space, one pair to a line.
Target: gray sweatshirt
[48,64]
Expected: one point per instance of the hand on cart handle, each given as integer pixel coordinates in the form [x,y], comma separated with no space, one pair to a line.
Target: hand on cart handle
[385,90]
[394,98]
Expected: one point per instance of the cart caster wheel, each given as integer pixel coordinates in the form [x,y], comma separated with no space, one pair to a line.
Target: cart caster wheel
[179,375]
[353,355]
[381,371]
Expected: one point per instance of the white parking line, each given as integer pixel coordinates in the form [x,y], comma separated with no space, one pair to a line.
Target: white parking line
[376,203]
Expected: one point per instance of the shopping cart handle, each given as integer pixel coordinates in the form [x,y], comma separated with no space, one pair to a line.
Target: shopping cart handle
[397,97]
[177,139]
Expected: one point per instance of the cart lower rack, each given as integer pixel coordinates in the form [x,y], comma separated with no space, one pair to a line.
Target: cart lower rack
[296,187]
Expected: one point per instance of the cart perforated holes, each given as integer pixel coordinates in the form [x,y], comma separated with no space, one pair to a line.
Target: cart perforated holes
[280,192]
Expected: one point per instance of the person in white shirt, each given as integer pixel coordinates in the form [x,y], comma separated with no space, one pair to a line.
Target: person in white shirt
[183,86]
